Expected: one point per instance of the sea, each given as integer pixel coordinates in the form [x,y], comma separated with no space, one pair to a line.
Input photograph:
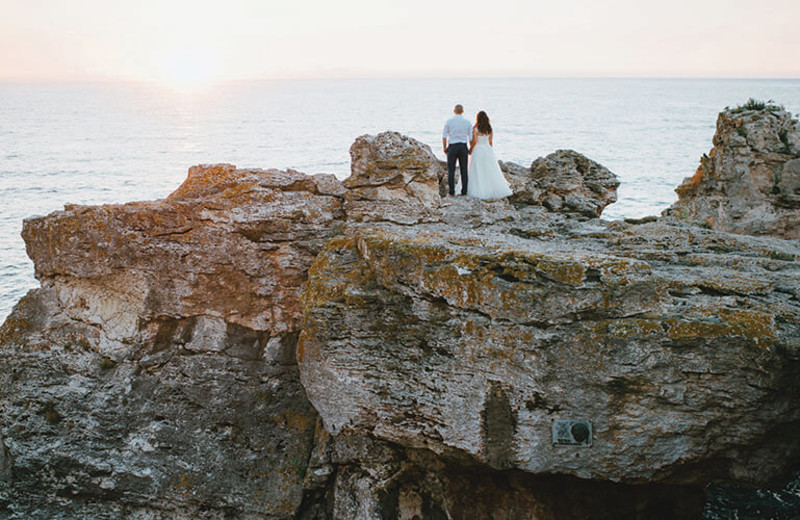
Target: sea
[97,143]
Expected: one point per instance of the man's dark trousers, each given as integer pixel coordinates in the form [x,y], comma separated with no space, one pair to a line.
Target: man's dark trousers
[460,152]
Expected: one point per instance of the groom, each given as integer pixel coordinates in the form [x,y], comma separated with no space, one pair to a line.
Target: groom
[457,133]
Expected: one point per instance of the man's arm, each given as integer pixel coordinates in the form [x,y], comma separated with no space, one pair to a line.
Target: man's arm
[444,145]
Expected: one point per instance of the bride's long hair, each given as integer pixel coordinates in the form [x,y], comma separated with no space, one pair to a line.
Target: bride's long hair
[483,125]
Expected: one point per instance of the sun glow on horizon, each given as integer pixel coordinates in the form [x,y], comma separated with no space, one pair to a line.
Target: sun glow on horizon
[188,69]
[190,46]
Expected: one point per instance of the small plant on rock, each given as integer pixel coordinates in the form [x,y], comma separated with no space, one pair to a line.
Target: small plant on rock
[755,104]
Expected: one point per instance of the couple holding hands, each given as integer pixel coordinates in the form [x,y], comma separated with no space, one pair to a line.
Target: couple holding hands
[472,145]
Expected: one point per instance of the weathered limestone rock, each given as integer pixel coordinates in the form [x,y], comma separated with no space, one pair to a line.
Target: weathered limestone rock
[393,177]
[565,182]
[173,429]
[154,372]
[165,258]
[378,480]
[5,461]
[685,359]
[750,180]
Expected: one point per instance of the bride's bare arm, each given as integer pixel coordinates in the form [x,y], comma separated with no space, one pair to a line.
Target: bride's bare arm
[473,140]
[490,139]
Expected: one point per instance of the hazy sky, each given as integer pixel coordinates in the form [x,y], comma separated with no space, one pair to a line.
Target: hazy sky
[176,40]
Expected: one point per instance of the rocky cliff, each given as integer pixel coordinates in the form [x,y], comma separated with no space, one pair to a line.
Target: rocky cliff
[750,180]
[266,344]
[153,373]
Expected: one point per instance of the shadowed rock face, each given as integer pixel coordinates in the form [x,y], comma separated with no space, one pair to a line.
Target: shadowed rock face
[380,481]
[5,461]
[750,180]
[266,344]
[154,371]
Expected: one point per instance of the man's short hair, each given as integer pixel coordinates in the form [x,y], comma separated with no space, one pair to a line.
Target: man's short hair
[459,109]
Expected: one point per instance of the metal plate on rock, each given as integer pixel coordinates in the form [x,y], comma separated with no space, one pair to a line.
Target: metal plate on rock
[572,432]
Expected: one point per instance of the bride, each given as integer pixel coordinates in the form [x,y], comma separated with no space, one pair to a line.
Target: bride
[486,181]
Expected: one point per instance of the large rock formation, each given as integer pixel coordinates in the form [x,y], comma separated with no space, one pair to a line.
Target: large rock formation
[394,178]
[155,373]
[471,339]
[750,180]
[565,182]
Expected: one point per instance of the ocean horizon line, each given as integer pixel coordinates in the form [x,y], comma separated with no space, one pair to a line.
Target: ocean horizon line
[222,82]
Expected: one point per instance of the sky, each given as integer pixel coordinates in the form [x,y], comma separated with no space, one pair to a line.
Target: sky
[174,41]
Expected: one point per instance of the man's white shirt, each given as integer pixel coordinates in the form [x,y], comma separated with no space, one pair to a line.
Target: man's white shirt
[457,130]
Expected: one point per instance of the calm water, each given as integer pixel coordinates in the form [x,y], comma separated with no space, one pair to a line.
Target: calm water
[99,143]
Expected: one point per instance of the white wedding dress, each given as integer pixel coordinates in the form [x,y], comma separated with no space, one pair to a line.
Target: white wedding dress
[485,180]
